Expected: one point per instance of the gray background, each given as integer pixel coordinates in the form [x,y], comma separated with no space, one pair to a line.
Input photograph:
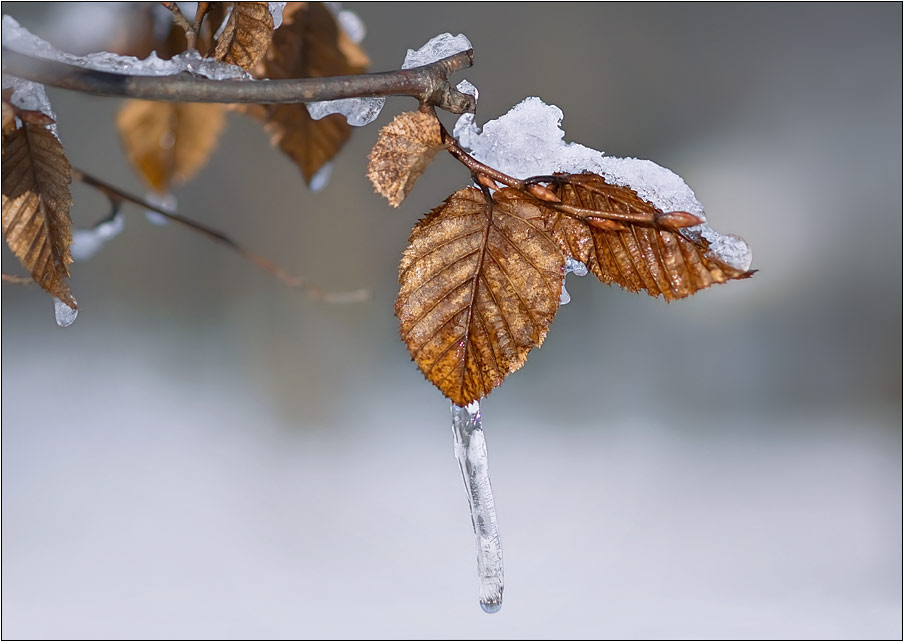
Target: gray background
[205,453]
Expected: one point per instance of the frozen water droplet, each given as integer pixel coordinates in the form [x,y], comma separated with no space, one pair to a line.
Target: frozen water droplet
[564,297]
[491,607]
[471,452]
[576,267]
[321,178]
[276,11]
[65,315]
[167,203]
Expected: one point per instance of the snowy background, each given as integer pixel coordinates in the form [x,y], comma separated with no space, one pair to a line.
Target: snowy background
[206,454]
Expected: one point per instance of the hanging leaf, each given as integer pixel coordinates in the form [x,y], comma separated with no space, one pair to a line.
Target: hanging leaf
[480,284]
[36,201]
[633,255]
[403,150]
[168,143]
[246,36]
[307,45]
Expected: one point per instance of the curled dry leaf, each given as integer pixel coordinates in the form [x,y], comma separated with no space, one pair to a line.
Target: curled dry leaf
[169,142]
[403,150]
[634,256]
[307,45]
[36,201]
[246,36]
[480,283]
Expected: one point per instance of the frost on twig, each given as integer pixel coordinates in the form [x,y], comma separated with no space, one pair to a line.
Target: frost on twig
[529,141]
[363,111]
[19,39]
[471,452]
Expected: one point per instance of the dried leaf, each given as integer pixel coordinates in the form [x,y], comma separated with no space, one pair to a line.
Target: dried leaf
[403,150]
[36,201]
[480,286]
[9,118]
[169,142]
[307,45]
[246,36]
[634,256]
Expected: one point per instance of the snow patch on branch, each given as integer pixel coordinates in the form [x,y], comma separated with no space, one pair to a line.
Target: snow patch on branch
[363,111]
[19,39]
[529,141]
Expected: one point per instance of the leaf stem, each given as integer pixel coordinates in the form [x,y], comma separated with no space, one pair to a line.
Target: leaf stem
[116,195]
[428,83]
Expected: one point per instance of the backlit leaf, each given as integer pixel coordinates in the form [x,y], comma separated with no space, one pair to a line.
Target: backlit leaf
[634,256]
[36,201]
[169,142]
[480,286]
[246,36]
[307,45]
[403,150]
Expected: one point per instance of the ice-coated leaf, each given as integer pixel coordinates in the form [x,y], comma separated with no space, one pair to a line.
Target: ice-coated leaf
[305,46]
[634,256]
[246,36]
[403,150]
[168,143]
[36,201]
[480,284]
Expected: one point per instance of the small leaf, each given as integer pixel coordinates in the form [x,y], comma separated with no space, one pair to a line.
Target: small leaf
[403,150]
[480,285]
[169,142]
[36,201]
[307,45]
[633,255]
[246,36]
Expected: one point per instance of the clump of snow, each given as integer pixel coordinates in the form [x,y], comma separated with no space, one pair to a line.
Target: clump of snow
[86,243]
[276,12]
[65,316]
[529,141]
[20,39]
[363,111]
[437,48]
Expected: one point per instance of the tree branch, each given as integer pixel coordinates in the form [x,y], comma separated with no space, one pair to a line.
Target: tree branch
[117,195]
[429,84]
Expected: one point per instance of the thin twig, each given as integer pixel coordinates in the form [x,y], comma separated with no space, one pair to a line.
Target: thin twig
[179,18]
[429,84]
[116,195]
[18,280]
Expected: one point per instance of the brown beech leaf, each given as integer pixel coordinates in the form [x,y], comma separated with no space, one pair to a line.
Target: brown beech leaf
[36,201]
[169,142]
[246,36]
[403,150]
[307,45]
[634,256]
[480,286]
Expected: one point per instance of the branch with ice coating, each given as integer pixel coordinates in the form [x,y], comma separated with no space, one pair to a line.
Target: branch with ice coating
[26,56]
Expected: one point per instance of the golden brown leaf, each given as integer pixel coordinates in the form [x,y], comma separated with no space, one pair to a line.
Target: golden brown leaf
[9,118]
[480,286]
[247,35]
[634,256]
[169,142]
[403,150]
[36,201]
[307,45]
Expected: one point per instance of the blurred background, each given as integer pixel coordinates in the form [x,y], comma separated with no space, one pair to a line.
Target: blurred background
[206,453]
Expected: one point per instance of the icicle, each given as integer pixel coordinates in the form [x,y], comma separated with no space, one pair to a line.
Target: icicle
[471,452]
